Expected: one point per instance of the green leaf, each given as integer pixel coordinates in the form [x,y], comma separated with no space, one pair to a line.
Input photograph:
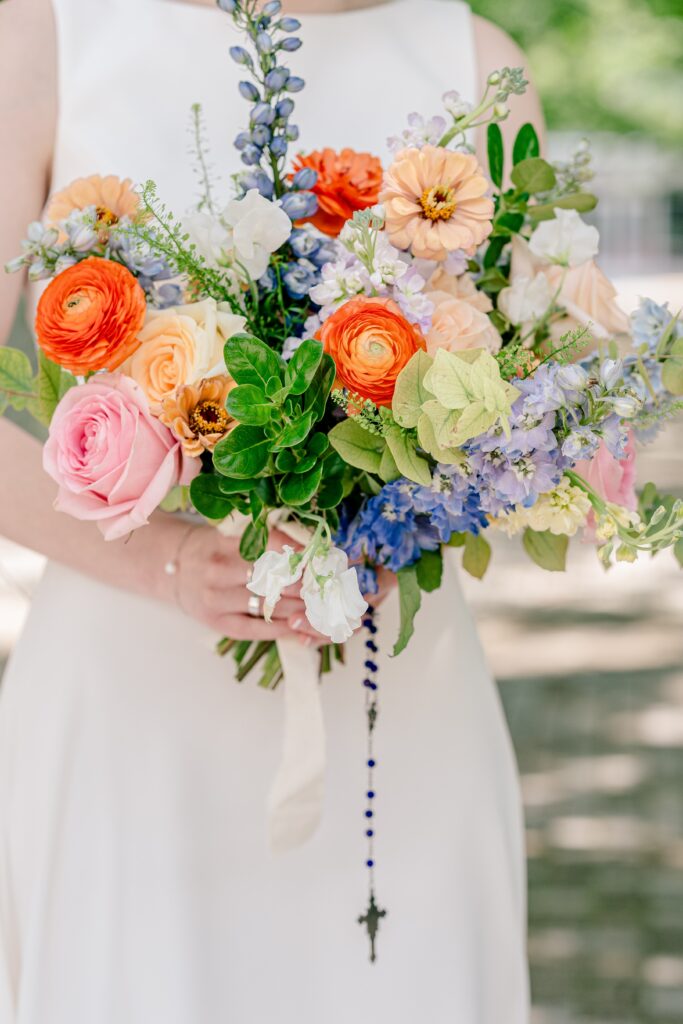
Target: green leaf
[526,144]
[229,486]
[53,384]
[410,599]
[533,175]
[508,224]
[294,433]
[357,447]
[678,551]
[477,555]
[672,368]
[16,378]
[299,489]
[316,397]
[248,404]
[243,453]
[430,570]
[584,202]
[308,462]
[285,461]
[496,153]
[331,493]
[303,365]
[493,251]
[250,361]
[546,549]
[317,444]
[207,497]
[410,464]
[388,470]
[254,540]
[410,392]
[493,280]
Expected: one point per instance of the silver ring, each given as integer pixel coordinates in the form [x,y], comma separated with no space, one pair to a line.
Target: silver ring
[254,607]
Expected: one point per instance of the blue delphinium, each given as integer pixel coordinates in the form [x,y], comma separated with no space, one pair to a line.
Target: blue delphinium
[650,321]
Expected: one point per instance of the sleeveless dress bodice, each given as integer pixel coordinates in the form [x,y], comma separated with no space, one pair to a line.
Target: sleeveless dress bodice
[136,886]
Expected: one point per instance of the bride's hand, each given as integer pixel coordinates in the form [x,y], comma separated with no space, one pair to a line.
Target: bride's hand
[210,584]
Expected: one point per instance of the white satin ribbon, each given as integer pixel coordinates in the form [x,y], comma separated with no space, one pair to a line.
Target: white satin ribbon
[295,801]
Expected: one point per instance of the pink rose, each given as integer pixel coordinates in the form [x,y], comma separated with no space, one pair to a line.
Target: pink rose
[613,479]
[113,461]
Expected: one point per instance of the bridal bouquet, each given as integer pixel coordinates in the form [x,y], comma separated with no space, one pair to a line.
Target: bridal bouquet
[394,359]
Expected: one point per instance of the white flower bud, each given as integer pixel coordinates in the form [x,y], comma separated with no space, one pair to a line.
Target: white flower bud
[610,372]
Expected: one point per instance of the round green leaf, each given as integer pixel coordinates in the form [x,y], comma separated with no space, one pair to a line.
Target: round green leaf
[303,365]
[243,453]
[248,404]
[207,497]
[298,490]
[250,361]
[533,175]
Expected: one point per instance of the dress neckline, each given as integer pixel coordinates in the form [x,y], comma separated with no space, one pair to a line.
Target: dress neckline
[304,16]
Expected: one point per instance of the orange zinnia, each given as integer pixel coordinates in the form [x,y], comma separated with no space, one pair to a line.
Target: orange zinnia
[370,341]
[347,181]
[89,316]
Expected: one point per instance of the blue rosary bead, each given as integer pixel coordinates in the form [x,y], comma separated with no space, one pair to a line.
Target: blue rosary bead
[369,814]
[371,763]
[370,863]
[371,794]
[370,833]
[371,646]
[370,666]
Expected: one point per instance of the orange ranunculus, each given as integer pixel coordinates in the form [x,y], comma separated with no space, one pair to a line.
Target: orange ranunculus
[347,181]
[370,341]
[89,316]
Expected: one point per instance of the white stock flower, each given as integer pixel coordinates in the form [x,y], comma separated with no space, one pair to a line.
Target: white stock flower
[526,300]
[562,511]
[273,572]
[566,240]
[334,603]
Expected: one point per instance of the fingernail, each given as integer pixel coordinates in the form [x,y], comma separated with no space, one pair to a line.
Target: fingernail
[297,623]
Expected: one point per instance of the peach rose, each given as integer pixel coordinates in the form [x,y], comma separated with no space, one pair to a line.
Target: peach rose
[370,341]
[435,202]
[347,181]
[181,345]
[113,461]
[88,317]
[457,325]
[462,287]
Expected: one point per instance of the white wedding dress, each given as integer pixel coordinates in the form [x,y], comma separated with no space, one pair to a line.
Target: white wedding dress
[136,883]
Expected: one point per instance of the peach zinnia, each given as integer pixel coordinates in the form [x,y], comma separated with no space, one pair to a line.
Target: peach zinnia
[370,341]
[89,316]
[435,202]
[347,182]
[112,198]
[197,415]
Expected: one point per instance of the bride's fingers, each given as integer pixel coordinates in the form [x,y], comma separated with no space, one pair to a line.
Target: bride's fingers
[247,627]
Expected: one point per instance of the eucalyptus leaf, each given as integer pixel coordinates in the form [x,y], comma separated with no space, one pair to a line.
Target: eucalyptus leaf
[430,570]
[357,447]
[410,392]
[298,490]
[207,497]
[546,549]
[410,599]
[477,555]
[243,453]
[409,463]
[251,361]
[496,153]
[303,365]
[526,144]
[584,202]
[249,404]
[533,175]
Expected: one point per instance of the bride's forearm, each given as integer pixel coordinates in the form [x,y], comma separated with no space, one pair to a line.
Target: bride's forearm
[27,517]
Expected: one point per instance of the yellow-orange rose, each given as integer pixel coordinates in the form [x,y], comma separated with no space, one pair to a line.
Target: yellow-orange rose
[181,346]
[458,325]
[370,341]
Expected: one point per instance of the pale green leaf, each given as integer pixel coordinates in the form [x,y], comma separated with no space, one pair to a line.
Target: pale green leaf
[388,470]
[449,380]
[410,393]
[410,464]
[357,447]
[410,600]
[427,438]
[16,377]
[477,555]
[53,384]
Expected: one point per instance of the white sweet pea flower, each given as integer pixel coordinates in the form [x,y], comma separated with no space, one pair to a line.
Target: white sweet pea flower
[209,235]
[273,572]
[527,299]
[334,603]
[259,228]
[567,240]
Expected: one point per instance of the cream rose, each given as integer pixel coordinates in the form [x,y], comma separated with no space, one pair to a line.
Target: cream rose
[181,345]
[457,325]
